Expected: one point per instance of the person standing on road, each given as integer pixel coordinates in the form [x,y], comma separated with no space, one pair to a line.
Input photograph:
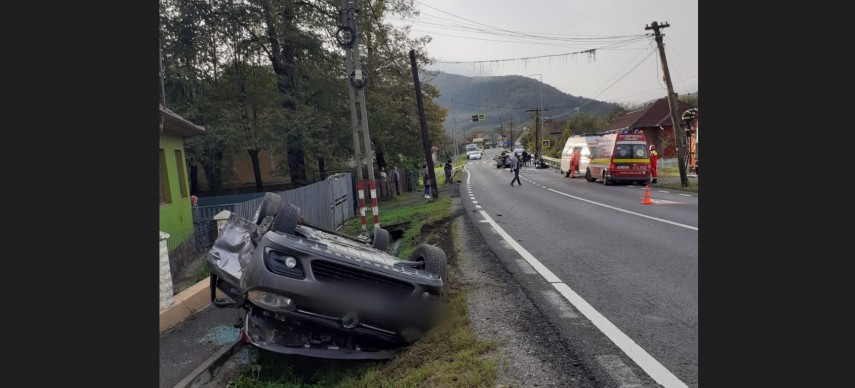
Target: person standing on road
[574,165]
[525,157]
[515,167]
[447,169]
[396,179]
[653,156]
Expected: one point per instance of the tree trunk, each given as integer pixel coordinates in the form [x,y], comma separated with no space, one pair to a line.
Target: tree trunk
[256,169]
[322,167]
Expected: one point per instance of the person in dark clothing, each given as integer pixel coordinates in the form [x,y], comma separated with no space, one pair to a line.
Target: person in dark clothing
[447,169]
[515,167]
[396,179]
[525,158]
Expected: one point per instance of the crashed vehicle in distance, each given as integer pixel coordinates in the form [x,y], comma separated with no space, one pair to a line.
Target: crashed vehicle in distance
[318,293]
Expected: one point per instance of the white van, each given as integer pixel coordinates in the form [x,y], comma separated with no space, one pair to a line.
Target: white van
[582,143]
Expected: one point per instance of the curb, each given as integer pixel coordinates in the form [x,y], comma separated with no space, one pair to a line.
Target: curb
[205,372]
[186,303]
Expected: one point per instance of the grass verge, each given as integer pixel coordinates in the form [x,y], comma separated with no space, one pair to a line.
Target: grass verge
[449,355]
[693,186]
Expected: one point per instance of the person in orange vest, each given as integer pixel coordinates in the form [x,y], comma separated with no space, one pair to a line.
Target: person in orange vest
[653,157]
[574,165]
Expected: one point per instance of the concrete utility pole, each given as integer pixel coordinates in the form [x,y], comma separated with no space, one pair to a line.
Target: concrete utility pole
[454,129]
[434,189]
[679,135]
[348,38]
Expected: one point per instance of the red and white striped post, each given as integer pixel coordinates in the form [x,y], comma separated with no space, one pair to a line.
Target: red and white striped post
[374,209]
[361,190]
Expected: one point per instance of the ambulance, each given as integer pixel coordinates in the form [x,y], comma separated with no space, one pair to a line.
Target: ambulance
[620,156]
[582,144]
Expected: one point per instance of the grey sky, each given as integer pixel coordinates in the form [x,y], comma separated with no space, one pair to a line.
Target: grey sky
[579,75]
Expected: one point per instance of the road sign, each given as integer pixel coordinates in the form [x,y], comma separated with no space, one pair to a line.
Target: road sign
[478,117]
[546,143]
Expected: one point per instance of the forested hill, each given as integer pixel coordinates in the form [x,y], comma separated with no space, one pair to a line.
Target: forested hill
[505,97]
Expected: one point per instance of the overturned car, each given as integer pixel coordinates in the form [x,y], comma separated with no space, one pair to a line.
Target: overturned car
[319,293]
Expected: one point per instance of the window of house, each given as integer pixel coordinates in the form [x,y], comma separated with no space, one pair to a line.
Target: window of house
[182,174]
[165,195]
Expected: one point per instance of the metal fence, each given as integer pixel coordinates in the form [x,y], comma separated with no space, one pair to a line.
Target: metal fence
[187,252]
[327,203]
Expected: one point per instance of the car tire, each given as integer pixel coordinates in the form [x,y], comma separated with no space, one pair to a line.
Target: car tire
[380,239]
[588,176]
[286,219]
[433,258]
[269,206]
[606,181]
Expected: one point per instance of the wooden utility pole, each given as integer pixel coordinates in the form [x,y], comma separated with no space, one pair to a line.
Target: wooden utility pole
[537,129]
[423,123]
[679,135]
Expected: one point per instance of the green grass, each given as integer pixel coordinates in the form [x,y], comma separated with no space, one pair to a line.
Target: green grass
[668,171]
[449,355]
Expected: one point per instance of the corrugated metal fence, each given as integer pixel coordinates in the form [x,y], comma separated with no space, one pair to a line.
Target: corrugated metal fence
[327,203]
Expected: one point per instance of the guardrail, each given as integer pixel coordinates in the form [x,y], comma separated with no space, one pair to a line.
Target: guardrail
[552,162]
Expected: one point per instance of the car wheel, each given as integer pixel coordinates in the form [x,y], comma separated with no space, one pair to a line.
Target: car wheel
[286,219]
[606,180]
[433,258]
[269,206]
[588,176]
[380,239]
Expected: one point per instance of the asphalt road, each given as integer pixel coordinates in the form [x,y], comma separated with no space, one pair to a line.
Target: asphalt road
[635,265]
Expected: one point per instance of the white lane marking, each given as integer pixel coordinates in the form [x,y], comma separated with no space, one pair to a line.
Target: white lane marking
[638,355]
[559,303]
[619,371]
[485,221]
[474,201]
[468,175]
[625,211]
[630,186]
[477,206]
[545,272]
[524,266]
[685,195]
[662,191]
[644,360]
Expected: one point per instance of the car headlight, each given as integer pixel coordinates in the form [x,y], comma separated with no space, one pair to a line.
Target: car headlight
[271,301]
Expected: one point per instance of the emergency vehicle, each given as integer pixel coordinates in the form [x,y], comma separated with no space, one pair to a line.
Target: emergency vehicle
[620,156]
[582,144]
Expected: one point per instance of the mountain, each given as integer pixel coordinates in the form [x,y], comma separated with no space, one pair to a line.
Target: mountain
[505,98]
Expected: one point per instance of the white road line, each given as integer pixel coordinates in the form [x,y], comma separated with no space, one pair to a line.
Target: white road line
[662,191]
[626,211]
[685,195]
[545,272]
[474,201]
[644,360]
[478,207]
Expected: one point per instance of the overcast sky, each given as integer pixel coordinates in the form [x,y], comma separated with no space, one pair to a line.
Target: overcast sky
[563,26]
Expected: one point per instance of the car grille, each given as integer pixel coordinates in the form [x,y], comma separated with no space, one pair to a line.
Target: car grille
[335,273]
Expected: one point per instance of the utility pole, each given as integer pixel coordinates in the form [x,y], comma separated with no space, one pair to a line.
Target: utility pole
[501,132]
[348,38]
[454,128]
[537,129]
[679,135]
[512,133]
[434,190]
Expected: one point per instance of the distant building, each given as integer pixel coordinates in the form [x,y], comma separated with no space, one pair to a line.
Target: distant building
[655,121]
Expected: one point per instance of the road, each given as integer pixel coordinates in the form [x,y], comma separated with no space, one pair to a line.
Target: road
[630,270]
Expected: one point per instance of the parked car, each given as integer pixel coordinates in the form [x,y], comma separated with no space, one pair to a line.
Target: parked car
[320,293]
[474,154]
[620,156]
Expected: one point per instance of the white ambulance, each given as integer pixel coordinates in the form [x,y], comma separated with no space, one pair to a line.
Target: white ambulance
[582,144]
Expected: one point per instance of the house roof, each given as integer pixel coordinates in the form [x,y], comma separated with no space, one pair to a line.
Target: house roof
[553,126]
[178,125]
[653,115]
